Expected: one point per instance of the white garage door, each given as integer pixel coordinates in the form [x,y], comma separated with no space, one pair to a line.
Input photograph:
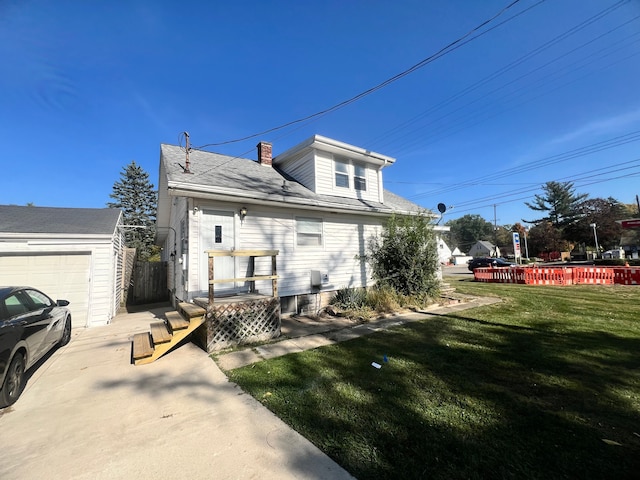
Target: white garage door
[60,276]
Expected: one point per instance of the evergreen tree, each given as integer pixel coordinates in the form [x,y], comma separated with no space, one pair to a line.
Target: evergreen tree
[560,202]
[137,199]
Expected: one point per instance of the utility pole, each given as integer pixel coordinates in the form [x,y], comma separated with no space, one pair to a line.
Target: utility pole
[595,236]
[495,230]
[638,202]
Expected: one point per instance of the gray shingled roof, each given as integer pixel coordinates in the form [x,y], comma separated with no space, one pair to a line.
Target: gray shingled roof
[89,221]
[241,176]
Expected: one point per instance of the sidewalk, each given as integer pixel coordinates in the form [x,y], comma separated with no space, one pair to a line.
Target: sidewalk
[305,333]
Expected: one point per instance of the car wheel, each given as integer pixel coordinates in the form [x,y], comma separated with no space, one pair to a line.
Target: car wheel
[13,382]
[66,333]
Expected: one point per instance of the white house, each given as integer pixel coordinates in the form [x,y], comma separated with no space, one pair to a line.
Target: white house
[317,203]
[444,252]
[73,254]
[484,249]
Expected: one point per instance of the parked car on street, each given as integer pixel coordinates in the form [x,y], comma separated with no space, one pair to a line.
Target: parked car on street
[483,262]
[31,324]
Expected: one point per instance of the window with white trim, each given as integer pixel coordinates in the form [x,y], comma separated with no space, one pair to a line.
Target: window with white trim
[342,173]
[359,177]
[309,231]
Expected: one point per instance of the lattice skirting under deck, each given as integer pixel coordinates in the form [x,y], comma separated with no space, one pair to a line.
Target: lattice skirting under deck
[233,324]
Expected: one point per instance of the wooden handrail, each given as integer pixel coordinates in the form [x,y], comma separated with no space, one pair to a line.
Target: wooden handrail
[243,253]
[251,279]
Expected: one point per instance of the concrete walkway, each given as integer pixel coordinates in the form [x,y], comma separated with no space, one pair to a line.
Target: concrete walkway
[87,413]
[304,333]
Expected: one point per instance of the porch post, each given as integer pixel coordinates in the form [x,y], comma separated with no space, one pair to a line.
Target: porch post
[210,280]
[274,282]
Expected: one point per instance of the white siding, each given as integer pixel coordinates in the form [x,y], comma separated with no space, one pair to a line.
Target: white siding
[303,170]
[325,179]
[100,277]
[325,184]
[344,238]
[175,272]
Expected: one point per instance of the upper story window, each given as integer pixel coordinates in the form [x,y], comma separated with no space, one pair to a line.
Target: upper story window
[342,173]
[359,177]
[349,173]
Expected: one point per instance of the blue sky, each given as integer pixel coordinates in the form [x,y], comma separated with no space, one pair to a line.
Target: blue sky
[549,93]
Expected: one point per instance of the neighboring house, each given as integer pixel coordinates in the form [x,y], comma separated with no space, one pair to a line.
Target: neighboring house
[484,249]
[73,254]
[318,203]
[444,252]
[460,258]
[630,243]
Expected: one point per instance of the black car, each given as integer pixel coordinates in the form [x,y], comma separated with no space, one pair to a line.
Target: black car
[31,324]
[484,262]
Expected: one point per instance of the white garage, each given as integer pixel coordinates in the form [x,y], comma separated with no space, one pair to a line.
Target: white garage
[68,253]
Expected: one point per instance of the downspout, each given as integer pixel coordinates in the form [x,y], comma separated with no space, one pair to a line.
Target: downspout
[380,185]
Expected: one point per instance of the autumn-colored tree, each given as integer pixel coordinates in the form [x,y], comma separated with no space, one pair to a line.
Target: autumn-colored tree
[603,212]
[544,237]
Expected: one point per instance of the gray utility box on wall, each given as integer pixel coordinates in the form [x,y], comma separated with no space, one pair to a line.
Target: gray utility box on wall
[318,278]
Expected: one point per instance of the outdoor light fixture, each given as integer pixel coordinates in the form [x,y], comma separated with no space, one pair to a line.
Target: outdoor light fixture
[195,209]
[243,213]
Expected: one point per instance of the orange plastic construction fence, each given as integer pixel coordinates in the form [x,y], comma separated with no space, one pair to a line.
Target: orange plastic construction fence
[559,275]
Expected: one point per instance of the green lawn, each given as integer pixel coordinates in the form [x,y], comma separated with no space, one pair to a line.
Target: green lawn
[545,384]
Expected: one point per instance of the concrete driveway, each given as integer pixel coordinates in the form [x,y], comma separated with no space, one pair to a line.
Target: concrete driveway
[87,413]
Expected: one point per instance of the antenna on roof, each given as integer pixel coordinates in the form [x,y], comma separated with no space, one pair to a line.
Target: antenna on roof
[186,162]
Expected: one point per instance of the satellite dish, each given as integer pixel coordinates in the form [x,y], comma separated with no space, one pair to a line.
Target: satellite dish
[442,207]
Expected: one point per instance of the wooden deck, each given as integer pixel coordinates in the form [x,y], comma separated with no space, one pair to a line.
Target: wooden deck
[230,298]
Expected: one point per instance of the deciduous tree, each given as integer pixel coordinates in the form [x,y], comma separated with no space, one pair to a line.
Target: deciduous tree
[603,212]
[467,230]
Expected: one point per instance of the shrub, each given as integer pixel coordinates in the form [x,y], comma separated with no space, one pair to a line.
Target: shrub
[350,298]
[405,256]
[383,299]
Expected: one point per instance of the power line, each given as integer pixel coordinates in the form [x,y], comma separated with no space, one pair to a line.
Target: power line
[440,53]
[502,70]
[541,162]
[582,183]
[470,120]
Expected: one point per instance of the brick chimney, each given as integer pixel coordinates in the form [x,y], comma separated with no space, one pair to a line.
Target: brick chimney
[264,153]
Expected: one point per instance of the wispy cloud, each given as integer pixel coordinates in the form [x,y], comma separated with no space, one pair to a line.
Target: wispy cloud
[600,127]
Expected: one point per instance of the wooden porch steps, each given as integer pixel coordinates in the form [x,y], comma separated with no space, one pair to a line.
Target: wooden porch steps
[148,347]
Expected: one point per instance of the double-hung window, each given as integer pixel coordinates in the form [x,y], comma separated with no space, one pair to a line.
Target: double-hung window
[359,177]
[309,231]
[342,173]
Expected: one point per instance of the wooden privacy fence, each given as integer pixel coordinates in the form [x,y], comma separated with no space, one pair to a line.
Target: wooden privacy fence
[148,283]
[559,275]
